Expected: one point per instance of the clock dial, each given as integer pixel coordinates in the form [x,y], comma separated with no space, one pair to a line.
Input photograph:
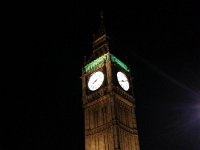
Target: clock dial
[123,80]
[95,80]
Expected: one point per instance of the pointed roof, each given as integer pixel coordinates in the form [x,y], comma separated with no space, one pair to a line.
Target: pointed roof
[102,29]
[100,40]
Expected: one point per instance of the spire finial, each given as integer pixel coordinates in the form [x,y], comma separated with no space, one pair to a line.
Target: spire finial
[102,16]
[102,26]
[100,43]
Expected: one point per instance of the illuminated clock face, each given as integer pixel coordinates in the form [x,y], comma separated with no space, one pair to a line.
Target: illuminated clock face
[95,80]
[123,80]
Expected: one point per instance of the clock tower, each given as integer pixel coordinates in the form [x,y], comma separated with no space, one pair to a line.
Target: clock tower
[108,100]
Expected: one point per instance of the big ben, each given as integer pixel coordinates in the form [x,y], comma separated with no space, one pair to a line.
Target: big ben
[108,100]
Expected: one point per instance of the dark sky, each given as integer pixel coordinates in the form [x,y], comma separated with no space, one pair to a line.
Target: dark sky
[45,47]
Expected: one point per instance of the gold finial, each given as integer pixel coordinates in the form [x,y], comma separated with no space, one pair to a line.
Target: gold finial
[102,26]
[102,16]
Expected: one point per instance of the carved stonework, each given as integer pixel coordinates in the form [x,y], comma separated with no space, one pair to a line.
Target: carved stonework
[96,95]
[123,94]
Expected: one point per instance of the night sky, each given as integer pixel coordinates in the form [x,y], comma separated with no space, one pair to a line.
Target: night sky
[42,61]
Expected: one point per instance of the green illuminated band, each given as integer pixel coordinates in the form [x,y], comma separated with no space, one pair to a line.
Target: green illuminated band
[95,63]
[119,62]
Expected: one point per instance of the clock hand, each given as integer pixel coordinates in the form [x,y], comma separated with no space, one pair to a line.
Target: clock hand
[94,81]
[123,80]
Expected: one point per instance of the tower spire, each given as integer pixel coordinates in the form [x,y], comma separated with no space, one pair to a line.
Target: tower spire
[100,42]
[102,30]
[102,26]
[102,15]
